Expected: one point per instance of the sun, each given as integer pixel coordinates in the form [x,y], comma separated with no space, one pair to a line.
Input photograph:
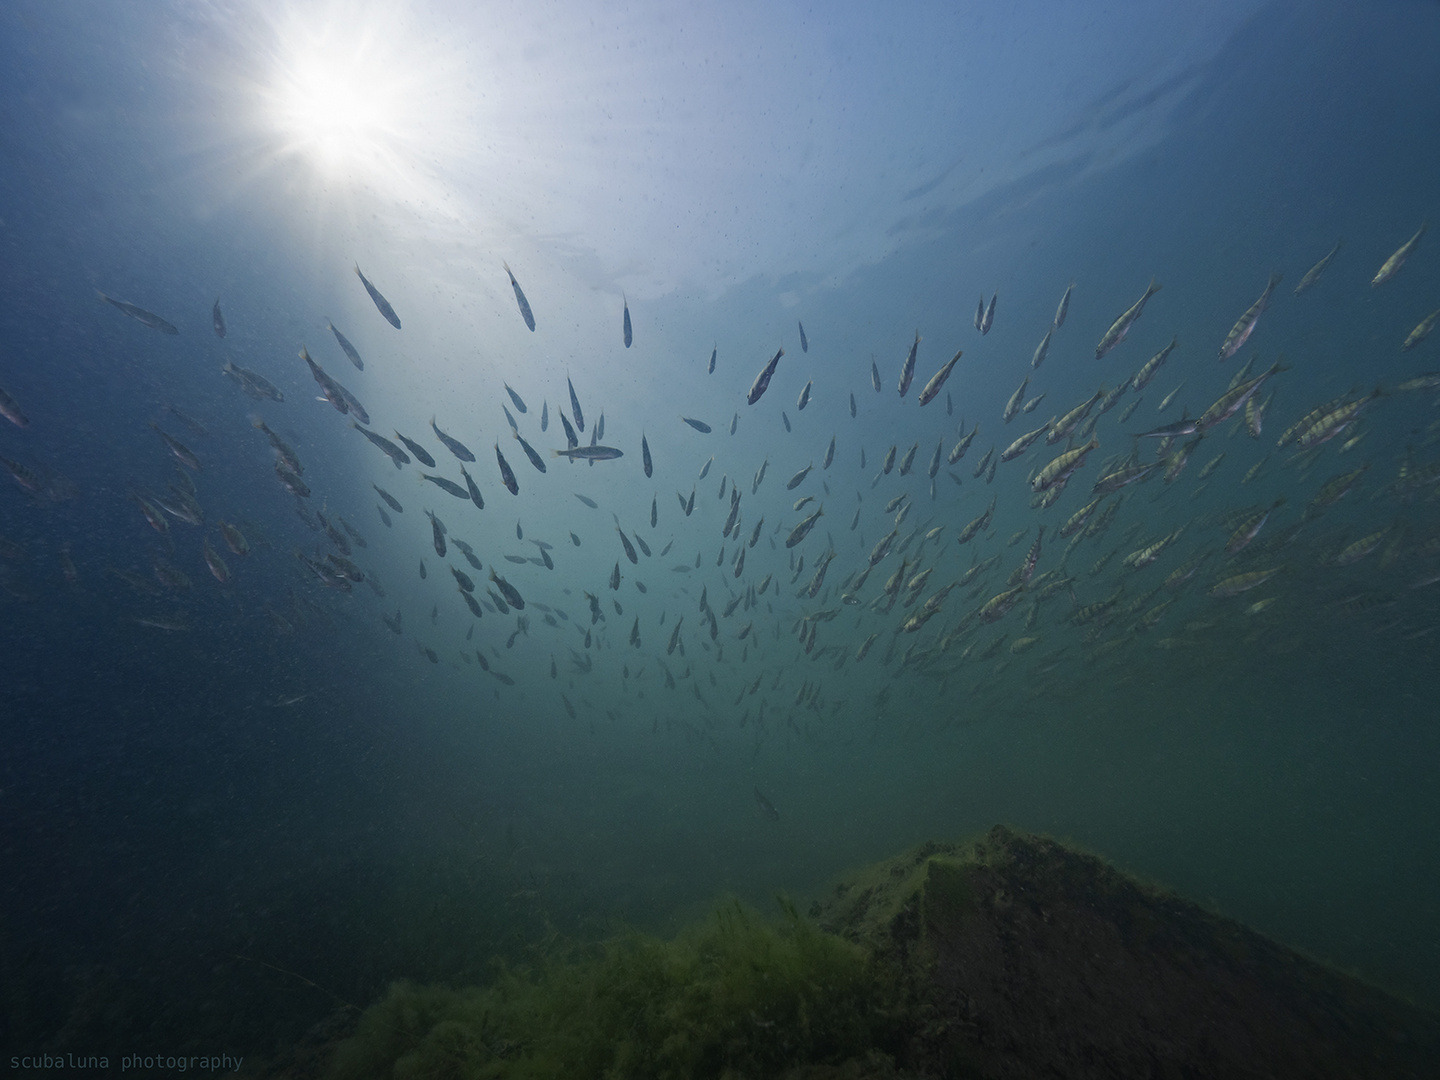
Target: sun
[337,94]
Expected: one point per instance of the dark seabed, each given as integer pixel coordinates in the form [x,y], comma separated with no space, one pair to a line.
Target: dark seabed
[240,792]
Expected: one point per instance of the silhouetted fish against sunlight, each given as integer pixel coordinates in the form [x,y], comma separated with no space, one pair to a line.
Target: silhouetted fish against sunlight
[381,304]
[139,314]
[525,312]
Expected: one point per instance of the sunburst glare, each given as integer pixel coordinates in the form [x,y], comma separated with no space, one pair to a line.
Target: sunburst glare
[353,97]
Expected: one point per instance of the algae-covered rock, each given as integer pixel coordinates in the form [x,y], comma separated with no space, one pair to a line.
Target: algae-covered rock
[1007,956]
[1026,958]
[733,996]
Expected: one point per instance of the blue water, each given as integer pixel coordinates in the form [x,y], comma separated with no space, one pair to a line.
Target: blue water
[280,782]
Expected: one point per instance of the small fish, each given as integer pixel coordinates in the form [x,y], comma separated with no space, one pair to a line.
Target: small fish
[591,503]
[766,806]
[473,490]
[713,353]
[535,458]
[762,381]
[1060,469]
[629,547]
[654,511]
[506,475]
[516,400]
[1121,326]
[393,452]
[448,486]
[217,566]
[1183,426]
[345,346]
[799,477]
[139,314]
[390,500]
[989,318]
[852,406]
[1233,586]
[698,425]
[1250,528]
[645,456]
[804,398]
[1233,400]
[909,459]
[525,312]
[1064,307]
[785,419]
[802,530]
[570,437]
[1419,334]
[217,320]
[438,531]
[1313,274]
[626,326]
[1385,273]
[589,453]
[907,369]
[1023,443]
[544,416]
[509,419]
[1121,477]
[234,538]
[937,381]
[874,375]
[829,454]
[334,392]
[381,304]
[455,446]
[512,597]
[980,312]
[575,406]
[1165,402]
[1151,366]
[10,409]
[182,453]
[1041,349]
[1245,326]
[463,580]
[257,386]
[1012,407]
[415,448]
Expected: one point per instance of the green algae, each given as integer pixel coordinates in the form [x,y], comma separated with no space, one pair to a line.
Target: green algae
[1008,955]
[734,996]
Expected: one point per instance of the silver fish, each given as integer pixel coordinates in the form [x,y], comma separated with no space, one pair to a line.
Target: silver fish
[381,304]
